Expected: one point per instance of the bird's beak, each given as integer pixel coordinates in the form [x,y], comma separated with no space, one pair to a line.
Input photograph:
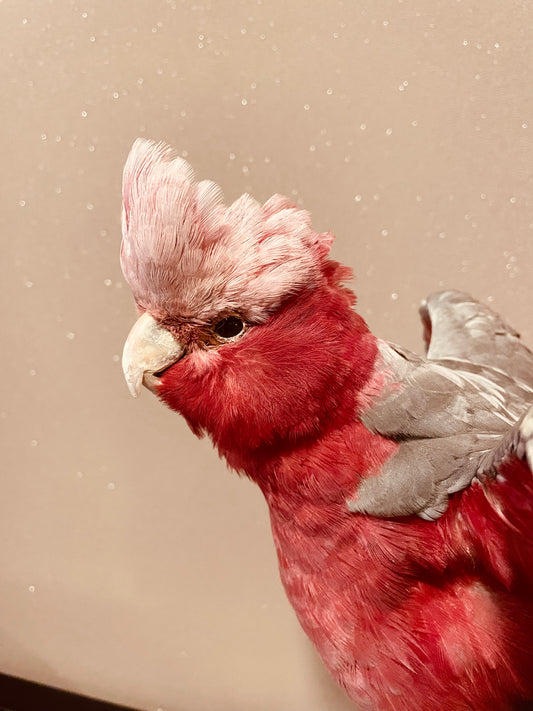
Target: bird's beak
[149,349]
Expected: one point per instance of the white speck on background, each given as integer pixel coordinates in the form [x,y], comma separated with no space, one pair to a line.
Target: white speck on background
[71,335]
[90,206]
[32,372]
[22,203]
[84,114]
[358,198]
[111,486]
[306,107]
[362,126]
[394,296]
[31,588]
[115,358]
[389,131]
[34,442]
[513,200]
[28,284]
[384,233]
[107,282]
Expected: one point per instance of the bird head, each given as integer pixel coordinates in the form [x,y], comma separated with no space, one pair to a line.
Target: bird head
[244,326]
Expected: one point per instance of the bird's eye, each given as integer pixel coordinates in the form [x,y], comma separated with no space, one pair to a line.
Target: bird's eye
[229,327]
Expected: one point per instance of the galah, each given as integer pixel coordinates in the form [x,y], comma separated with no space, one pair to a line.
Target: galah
[399,487]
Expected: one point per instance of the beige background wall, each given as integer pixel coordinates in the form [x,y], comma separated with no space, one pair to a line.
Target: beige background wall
[133,565]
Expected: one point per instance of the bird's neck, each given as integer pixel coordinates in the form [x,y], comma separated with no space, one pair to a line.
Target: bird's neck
[321,448]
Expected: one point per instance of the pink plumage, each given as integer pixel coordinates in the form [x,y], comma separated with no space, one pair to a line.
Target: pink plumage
[399,487]
[184,252]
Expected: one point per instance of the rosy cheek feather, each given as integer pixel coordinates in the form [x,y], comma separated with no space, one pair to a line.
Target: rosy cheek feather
[202,361]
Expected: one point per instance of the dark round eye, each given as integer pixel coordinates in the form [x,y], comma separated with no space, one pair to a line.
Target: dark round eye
[229,327]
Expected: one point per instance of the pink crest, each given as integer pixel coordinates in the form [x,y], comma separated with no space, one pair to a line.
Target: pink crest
[185,253]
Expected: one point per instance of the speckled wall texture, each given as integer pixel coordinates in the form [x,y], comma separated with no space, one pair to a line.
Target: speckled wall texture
[133,566]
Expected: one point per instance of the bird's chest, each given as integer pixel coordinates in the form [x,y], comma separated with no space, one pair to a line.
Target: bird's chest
[340,591]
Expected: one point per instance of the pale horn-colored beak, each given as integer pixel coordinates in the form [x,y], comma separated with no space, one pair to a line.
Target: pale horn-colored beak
[149,349]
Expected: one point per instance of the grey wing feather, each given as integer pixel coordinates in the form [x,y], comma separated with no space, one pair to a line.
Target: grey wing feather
[516,443]
[456,326]
[447,417]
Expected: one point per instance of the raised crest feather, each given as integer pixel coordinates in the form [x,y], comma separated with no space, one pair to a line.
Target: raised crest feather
[184,253]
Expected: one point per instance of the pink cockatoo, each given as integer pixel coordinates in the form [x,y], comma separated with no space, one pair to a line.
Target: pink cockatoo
[399,487]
